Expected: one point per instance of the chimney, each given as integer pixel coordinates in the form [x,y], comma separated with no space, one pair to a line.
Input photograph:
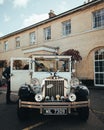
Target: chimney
[51,14]
[87,1]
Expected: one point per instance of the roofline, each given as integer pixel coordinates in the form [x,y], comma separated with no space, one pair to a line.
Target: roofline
[84,6]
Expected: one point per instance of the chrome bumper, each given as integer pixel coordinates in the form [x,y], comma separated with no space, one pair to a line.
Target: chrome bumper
[41,105]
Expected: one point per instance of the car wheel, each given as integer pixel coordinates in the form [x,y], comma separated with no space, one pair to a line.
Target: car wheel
[83,113]
[22,113]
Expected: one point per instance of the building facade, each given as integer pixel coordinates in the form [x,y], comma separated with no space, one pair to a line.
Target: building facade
[81,28]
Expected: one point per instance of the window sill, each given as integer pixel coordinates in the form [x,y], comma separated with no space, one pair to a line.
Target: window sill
[98,28]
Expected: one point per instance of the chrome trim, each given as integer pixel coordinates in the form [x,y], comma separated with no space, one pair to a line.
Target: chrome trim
[41,105]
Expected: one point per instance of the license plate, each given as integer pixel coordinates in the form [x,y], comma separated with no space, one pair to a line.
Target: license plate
[55,111]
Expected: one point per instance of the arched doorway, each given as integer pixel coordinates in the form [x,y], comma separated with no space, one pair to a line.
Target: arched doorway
[99,68]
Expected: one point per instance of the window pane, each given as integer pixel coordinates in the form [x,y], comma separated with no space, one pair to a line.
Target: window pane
[20,64]
[6,46]
[66,28]
[17,42]
[99,67]
[32,38]
[47,33]
[98,18]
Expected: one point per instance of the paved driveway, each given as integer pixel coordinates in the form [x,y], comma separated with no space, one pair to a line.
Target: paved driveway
[10,121]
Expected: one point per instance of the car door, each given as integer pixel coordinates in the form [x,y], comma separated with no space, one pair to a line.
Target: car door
[20,73]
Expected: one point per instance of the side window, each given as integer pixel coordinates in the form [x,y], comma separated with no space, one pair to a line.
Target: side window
[98,18]
[32,38]
[17,42]
[20,64]
[66,28]
[47,33]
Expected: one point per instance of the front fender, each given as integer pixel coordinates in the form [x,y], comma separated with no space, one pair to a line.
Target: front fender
[82,93]
[25,93]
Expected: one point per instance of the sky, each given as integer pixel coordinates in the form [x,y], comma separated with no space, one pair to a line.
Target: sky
[18,14]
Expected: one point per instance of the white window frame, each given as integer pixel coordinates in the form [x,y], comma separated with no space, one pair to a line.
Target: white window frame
[98,18]
[6,46]
[47,33]
[99,68]
[32,38]
[17,39]
[66,27]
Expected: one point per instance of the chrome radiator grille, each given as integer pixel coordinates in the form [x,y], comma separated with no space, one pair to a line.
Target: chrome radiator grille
[56,89]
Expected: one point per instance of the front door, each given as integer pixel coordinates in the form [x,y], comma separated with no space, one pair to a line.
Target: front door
[20,72]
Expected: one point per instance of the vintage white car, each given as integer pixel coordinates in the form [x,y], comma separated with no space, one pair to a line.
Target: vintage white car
[45,83]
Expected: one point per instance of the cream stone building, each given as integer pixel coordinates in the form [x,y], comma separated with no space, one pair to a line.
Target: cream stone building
[81,28]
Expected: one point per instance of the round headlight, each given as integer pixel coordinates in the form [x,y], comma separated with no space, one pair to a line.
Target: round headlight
[47,97]
[35,82]
[72,97]
[38,97]
[62,97]
[74,82]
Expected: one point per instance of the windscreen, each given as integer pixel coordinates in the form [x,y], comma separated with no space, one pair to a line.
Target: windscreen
[52,65]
